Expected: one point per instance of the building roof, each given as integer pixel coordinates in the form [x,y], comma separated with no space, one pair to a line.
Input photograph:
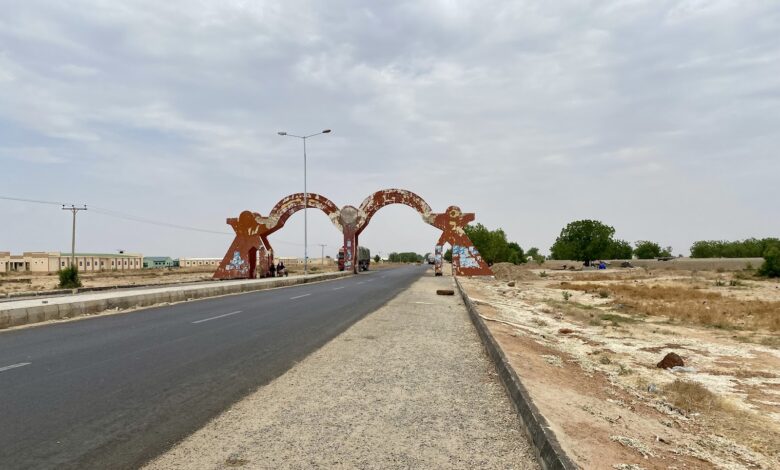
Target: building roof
[158,258]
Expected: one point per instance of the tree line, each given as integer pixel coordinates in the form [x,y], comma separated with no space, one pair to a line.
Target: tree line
[405,257]
[750,248]
[590,240]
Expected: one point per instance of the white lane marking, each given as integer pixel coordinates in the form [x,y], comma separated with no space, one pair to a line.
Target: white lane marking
[384,277]
[218,316]
[14,366]
[299,296]
[424,303]
[360,282]
[369,280]
[337,288]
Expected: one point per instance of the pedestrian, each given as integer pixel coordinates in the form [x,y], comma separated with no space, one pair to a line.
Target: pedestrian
[280,269]
[272,270]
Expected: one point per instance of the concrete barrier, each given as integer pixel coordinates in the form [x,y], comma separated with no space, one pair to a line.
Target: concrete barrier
[10,317]
[548,451]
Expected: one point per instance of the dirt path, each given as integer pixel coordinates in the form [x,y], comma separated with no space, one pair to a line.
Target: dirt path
[409,386]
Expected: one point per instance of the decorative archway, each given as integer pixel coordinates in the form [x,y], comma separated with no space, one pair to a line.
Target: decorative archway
[252,230]
[251,247]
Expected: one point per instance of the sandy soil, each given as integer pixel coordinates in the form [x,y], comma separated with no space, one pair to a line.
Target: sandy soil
[409,386]
[597,382]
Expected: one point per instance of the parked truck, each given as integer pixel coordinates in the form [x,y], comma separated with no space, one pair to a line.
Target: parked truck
[363,258]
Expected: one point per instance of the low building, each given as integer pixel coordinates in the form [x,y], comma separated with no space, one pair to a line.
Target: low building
[159,262]
[53,261]
[199,262]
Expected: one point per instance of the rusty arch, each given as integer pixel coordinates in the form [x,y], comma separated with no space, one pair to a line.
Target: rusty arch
[293,203]
[386,197]
[251,249]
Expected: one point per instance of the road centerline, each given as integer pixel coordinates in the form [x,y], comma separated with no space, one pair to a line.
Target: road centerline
[337,288]
[218,316]
[299,296]
[14,366]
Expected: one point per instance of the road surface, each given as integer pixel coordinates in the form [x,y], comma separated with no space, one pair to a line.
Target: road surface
[115,391]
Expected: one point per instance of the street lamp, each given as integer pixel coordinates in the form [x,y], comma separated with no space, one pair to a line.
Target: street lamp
[305,197]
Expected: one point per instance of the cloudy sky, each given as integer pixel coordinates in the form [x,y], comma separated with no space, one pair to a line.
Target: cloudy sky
[661,118]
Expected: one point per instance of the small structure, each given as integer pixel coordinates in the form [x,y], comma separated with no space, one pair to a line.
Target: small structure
[158,262]
[198,262]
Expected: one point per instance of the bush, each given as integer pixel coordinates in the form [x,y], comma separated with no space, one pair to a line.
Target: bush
[771,266]
[647,249]
[69,277]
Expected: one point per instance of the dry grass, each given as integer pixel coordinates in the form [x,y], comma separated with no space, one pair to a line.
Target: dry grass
[689,305]
[721,417]
[692,397]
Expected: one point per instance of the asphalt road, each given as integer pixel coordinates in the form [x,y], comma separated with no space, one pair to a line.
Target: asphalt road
[115,391]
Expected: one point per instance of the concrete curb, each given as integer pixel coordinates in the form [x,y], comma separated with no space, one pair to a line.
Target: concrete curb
[546,447]
[40,313]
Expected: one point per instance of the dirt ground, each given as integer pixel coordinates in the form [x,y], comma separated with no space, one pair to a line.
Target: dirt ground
[36,282]
[586,345]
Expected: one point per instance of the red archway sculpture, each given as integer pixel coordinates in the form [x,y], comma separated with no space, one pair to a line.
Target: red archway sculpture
[251,244]
[252,230]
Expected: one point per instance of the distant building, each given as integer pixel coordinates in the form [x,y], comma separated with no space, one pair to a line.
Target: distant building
[53,261]
[195,262]
[159,262]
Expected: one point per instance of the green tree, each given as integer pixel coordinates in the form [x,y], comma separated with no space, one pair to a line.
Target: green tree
[618,249]
[493,245]
[667,252]
[583,240]
[376,258]
[749,248]
[771,266]
[647,249]
[69,277]
[533,252]
[448,255]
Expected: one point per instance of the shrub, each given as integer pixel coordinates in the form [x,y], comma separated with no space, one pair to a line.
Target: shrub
[566,295]
[771,266]
[647,249]
[69,277]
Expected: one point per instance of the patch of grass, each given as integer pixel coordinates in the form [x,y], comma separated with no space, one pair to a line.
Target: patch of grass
[543,274]
[624,370]
[692,397]
[616,319]
[719,282]
[566,295]
[604,360]
[604,294]
[690,305]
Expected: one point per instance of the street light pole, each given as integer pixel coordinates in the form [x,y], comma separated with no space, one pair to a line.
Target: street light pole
[74,210]
[305,198]
[322,256]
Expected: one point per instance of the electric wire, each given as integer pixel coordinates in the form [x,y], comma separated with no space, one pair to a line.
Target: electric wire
[133,218]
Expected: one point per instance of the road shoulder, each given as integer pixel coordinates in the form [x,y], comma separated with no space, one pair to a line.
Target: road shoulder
[408,386]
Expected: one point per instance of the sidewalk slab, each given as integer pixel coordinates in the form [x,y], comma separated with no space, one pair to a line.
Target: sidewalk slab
[408,386]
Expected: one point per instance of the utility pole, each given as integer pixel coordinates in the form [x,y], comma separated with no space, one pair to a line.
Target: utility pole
[74,210]
[323,252]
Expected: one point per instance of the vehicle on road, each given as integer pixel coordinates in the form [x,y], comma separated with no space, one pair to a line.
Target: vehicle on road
[363,258]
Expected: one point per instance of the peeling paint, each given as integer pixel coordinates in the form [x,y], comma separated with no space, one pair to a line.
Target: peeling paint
[250,247]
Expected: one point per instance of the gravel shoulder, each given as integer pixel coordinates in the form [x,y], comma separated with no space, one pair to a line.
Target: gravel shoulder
[408,386]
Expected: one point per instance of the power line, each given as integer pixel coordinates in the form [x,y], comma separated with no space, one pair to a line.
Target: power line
[133,218]
[37,201]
